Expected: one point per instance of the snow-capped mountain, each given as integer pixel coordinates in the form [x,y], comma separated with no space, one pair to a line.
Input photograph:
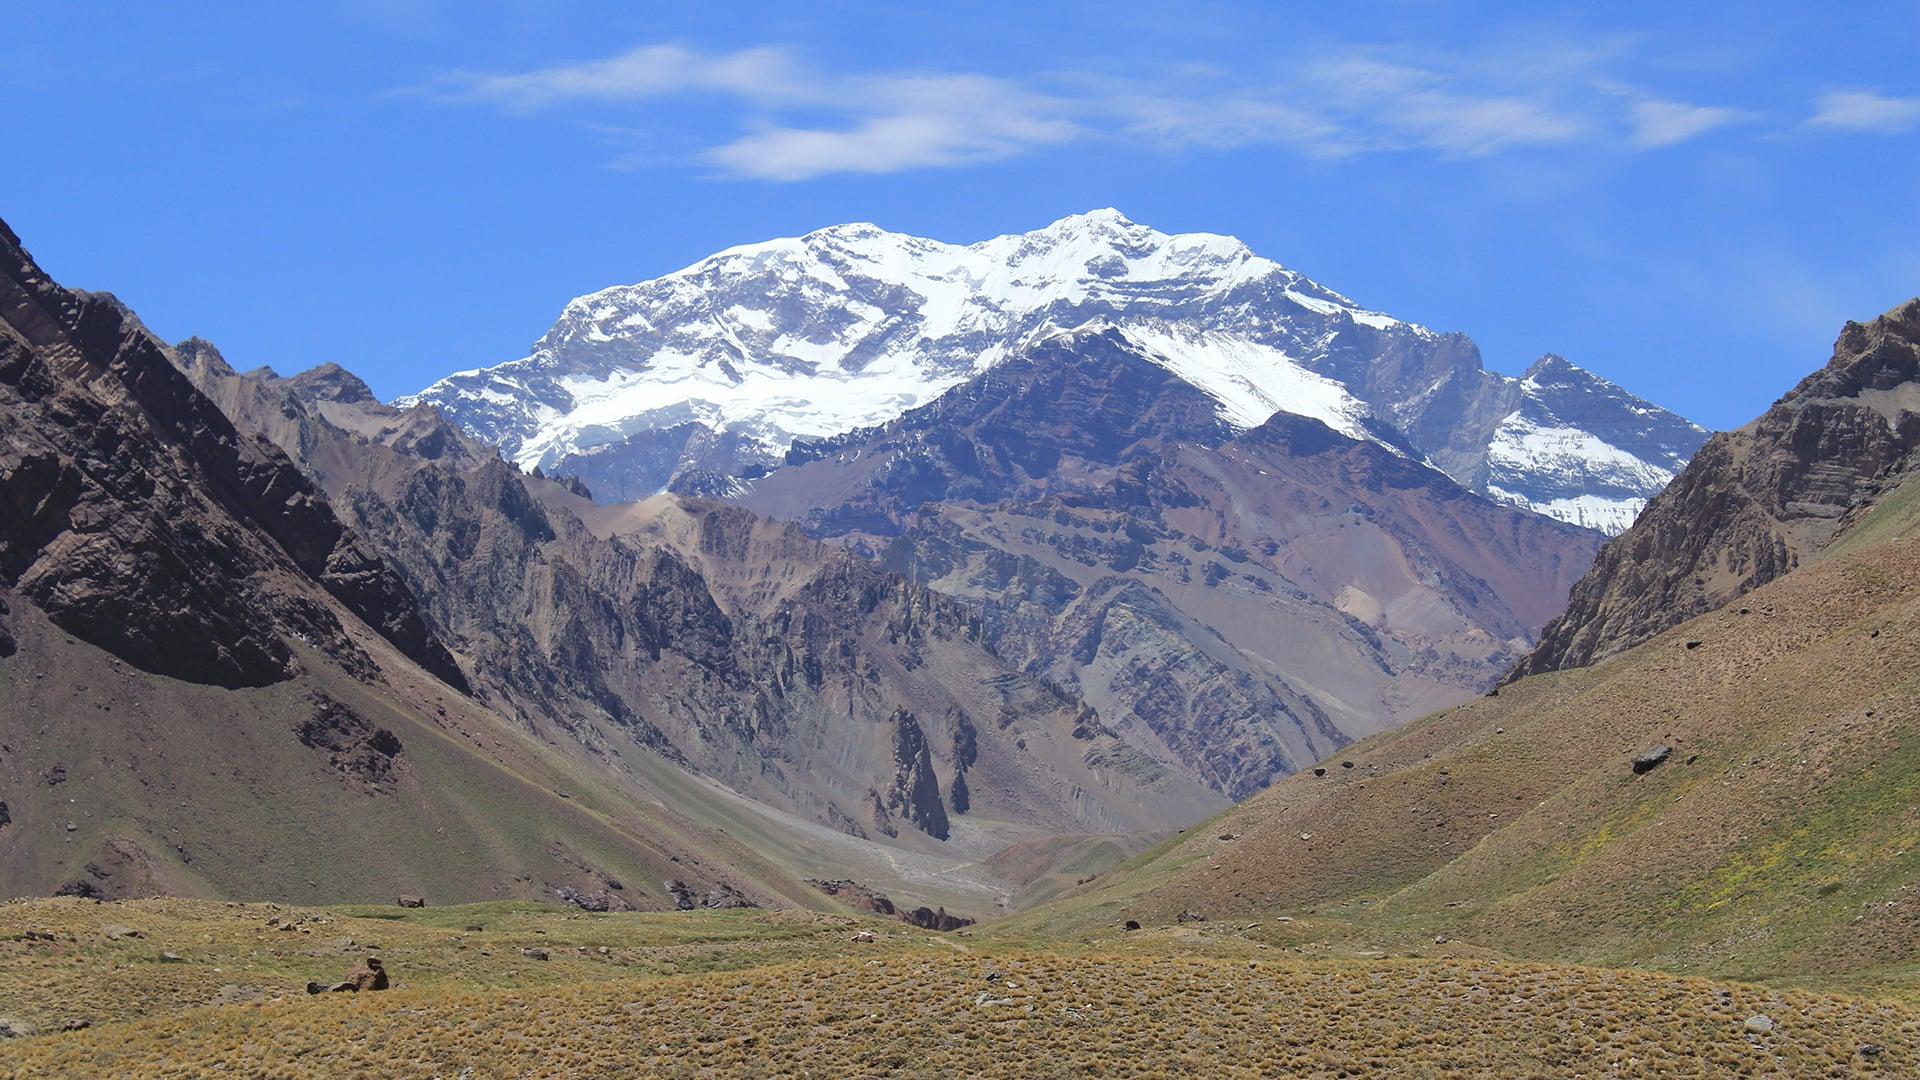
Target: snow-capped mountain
[1576,447]
[715,370]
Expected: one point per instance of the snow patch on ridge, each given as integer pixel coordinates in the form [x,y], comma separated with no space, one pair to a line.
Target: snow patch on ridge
[1250,381]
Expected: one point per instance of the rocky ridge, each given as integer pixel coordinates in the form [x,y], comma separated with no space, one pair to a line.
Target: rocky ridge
[1756,502]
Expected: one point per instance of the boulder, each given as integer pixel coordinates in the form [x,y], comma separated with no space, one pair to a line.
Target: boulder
[1651,760]
[410,901]
[372,977]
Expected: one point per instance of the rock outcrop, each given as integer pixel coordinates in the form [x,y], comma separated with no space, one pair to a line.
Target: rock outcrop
[130,507]
[914,795]
[1756,502]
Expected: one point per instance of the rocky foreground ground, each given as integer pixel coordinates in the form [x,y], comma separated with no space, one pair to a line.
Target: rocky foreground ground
[178,988]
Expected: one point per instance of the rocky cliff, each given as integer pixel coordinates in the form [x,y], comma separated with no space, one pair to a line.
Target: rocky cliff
[1756,502]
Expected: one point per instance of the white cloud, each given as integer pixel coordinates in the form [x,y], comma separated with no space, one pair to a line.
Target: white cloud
[780,119]
[1669,123]
[650,71]
[927,122]
[1418,106]
[1868,110]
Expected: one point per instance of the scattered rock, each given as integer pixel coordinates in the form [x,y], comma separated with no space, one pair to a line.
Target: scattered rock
[724,896]
[81,887]
[1759,1024]
[1130,924]
[410,901]
[115,931]
[76,1024]
[235,994]
[535,954]
[585,901]
[863,937]
[1319,772]
[1651,760]
[1694,644]
[935,919]
[15,1028]
[373,977]
[1871,1050]
[1189,916]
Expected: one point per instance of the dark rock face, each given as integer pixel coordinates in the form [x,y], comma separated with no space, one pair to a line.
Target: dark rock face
[1088,399]
[137,517]
[935,919]
[1756,502]
[358,750]
[915,793]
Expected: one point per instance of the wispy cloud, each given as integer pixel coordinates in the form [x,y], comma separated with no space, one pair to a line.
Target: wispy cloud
[765,75]
[783,119]
[1669,123]
[1403,106]
[1869,111]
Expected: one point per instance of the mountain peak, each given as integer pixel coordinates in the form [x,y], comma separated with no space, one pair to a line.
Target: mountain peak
[1105,216]
[1554,368]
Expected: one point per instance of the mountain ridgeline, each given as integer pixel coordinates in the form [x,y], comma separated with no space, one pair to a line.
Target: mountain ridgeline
[701,380]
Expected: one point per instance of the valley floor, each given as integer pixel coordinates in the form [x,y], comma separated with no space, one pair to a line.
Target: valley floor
[185,988]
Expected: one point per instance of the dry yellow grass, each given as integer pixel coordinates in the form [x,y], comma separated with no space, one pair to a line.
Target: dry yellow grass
[794,995]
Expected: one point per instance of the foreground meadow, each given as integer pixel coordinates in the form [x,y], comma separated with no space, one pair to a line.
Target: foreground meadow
[179,988]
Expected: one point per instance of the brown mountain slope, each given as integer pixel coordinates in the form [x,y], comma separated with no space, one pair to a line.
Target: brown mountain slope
[1237,604]
[803,678]
[210,685]
[1756,502]
[1774,836]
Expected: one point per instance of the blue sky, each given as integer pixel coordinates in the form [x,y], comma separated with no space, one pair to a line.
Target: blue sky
[1688,201]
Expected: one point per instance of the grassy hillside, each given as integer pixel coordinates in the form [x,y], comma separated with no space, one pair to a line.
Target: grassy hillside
[1777,839]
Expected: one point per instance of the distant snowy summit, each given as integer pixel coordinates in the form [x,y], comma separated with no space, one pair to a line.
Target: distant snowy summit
[708,375]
